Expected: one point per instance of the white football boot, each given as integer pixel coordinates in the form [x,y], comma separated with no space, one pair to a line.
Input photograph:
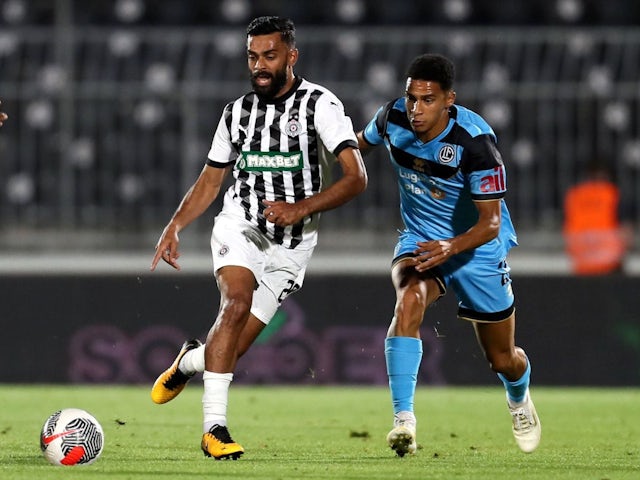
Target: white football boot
[402,438]
[526,424]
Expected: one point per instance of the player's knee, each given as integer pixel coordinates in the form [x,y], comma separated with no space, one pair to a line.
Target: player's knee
[235,310]
[413,301]
[501,361]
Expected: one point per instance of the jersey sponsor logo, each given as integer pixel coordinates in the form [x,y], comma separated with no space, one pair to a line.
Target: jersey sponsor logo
[224,249]
[494,182]
[270,161]
[446,154]
[415,189]
[419,164]
[412,181]
[293,128]
[437,193]
[412,176]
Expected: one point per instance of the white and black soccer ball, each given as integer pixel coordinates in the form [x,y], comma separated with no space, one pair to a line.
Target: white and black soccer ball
[71,436]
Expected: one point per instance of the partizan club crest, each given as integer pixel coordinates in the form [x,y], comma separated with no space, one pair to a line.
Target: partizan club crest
[293,127]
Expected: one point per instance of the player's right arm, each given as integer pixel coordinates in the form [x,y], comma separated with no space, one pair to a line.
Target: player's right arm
[363,145]
[374,132]
[195,202]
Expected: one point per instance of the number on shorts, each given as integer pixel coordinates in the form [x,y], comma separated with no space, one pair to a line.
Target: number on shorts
[505,276]
[293,286]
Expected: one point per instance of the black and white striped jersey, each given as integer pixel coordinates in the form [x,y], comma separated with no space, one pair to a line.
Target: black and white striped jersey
[280,149]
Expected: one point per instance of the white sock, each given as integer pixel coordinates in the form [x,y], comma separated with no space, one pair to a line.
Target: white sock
[215,398]
[192,361]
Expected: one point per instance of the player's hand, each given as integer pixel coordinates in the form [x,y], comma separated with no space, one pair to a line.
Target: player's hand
[432,253]
[283,213]
[167,248]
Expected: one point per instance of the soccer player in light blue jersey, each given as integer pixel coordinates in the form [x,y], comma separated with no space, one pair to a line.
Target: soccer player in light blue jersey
[457,234]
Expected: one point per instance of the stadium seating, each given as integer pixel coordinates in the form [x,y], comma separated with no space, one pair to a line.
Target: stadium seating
[113,104]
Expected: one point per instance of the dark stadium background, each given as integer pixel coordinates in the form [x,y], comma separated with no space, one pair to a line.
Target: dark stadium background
[112,106]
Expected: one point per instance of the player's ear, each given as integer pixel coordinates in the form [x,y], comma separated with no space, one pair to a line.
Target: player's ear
[451,98]
[292,57]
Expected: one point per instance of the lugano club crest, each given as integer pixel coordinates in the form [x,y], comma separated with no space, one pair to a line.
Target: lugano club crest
[446,154]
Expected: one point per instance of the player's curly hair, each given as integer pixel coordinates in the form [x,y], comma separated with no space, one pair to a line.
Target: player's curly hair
[271,24]
[433,67]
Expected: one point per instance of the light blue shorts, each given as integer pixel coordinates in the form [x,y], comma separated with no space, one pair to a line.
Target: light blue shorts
[483,288]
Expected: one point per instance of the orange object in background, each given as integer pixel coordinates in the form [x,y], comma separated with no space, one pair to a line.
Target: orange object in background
[595,240]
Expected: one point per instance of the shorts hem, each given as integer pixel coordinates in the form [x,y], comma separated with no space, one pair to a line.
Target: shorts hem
[432,273]
[485,317]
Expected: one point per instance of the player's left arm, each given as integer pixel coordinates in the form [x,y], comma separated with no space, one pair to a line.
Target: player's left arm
[336,132]
[352,182]
[435,252]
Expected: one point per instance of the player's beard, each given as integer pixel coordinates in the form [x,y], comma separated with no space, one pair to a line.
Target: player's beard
[278,81]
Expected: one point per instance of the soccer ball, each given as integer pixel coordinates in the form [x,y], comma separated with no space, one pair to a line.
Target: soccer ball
[71,437]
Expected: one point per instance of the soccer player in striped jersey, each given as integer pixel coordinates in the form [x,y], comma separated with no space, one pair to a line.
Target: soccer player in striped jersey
[457,233]
[278,141]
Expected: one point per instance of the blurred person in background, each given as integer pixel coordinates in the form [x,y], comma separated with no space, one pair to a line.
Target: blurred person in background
[458,231]
[279,141]
[3,116]
[596,233]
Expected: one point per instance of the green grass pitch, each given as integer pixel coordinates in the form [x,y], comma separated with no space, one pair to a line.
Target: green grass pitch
[330,433]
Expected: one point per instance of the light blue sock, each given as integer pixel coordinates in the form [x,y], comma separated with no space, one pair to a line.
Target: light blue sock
[403,355]
[517,389]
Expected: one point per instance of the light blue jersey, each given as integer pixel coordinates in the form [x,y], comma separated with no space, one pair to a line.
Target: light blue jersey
[438,182]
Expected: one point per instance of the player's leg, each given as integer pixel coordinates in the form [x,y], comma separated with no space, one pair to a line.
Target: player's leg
[193,360]
[238,263]
[216,440]
[243,314]
[506,359]
[486,298]
[190,360]
[236,286]
[513,368]
[403,349]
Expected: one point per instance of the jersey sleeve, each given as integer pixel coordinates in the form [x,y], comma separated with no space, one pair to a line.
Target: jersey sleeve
[222,152]
[375,130]
[333,125]
[485,169]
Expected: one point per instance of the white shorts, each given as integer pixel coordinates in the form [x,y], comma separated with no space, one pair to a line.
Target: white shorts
[278,271]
